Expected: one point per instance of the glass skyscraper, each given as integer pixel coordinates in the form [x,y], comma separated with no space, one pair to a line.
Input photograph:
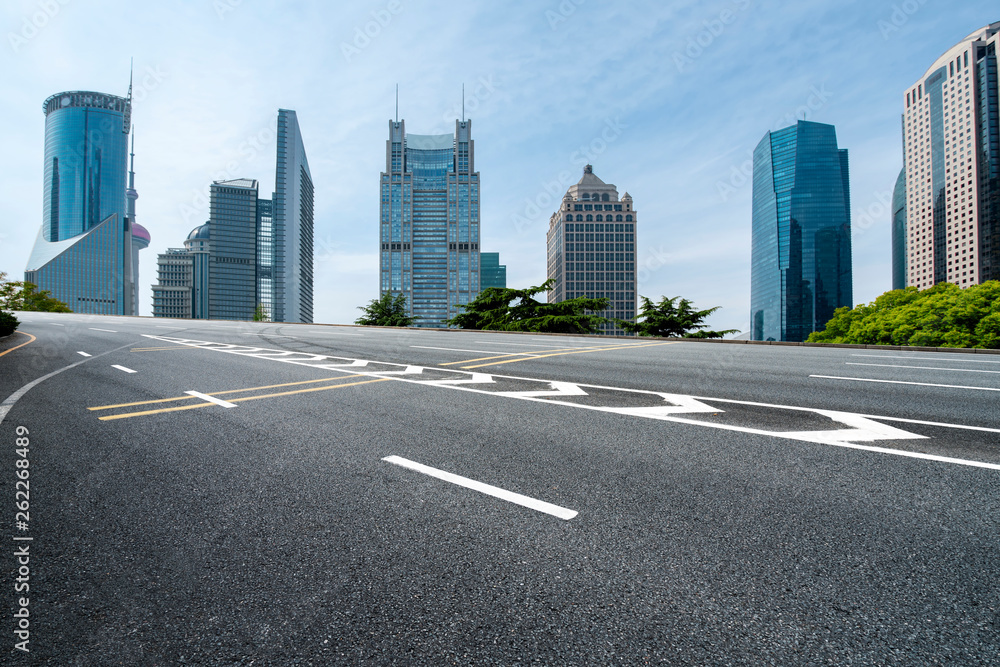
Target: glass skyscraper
[899,232]
[801,255]
[83,253]
[429,229]
[232,263]
[491,272]
[951,142]
[591,248]
[287,278]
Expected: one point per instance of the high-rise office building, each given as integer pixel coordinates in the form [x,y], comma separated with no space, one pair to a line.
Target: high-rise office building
[591,248]
[801,255]
[429,229]
[899,232]
[182,274]
[83,254]
[951,141]
[491,272]
[232,265]
[287,233]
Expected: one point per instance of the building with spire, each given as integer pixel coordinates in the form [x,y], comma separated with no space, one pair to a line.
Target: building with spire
[140,235]
[84,250]
[951,144]
[591,248]
[429,222]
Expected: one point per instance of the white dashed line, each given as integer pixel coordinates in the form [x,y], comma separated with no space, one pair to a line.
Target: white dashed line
[919,384]
[924,368]
[455,349]
[83,354]
[211,399]
[955,359]
[122,368]
[496,492]
[107,330]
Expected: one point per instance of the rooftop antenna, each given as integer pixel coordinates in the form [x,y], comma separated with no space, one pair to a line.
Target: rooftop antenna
[127,119]
[463,102]
[397,102]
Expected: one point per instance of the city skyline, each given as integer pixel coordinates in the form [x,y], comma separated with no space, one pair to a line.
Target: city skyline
[648,113]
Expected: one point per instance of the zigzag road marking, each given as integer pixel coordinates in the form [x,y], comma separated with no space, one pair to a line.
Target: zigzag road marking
[860,429]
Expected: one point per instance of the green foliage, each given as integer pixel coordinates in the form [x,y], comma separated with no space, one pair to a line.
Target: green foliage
[943,316]
[260,314]
[8,323]
[386,312]
[495,309]
[20,295]
[668,320]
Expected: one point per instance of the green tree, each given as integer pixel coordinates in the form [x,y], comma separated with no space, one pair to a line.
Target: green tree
[669,320]
[386,312]
[505,309]
[8,323]
[260,314]
[942,316]
[22,295]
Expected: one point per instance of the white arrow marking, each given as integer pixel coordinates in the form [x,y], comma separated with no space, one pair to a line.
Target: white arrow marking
[558,389]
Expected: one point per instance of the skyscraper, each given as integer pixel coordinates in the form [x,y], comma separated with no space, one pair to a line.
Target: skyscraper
[491,272]
[232,264]
[899,232]
[951,142]
[83,253]
[801,254]
[591,248]
[429,213]
[288,285]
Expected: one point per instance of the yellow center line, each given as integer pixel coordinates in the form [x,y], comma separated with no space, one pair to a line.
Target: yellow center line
[560,354]
[220,393]
[126,415]
[33,339]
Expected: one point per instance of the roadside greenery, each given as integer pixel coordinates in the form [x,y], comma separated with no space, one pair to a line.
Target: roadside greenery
[385,312]
[668,320]
[260,313]
[941,316]
[504,309]
[21,295]
[8,323]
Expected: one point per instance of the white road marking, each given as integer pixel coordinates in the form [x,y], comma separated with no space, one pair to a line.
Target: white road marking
[83,354]
[332,333]
[919,384]
[926,368]
[211,399]
[864,427]
[57,325]
[582,347]
[122,368]
[496,492]
[957,358]
[107,330]
[564,389]
[456,349]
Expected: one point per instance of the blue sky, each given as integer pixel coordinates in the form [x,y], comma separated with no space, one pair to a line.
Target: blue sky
[665,99]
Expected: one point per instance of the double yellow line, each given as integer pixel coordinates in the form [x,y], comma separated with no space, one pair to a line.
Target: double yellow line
[205,404]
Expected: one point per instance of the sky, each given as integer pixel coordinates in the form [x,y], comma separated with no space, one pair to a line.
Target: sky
[666,99]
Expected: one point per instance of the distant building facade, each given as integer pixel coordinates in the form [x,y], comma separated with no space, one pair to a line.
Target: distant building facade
[591,246]
[491,272]
[951,142]
[232,259]
[429,222]
[801,269]
[83,253]
[182,275]
[899,232]
[287,236]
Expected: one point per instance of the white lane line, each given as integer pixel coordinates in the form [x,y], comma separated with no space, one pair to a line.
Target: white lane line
[497,342]
[919,384]
[331,333]
[107,330]
[496,492]
[122,368]
[456,349]
[926,368]
[164,326]
[927,423]
[57,325]
[83,354]
[956,358]
[211,399]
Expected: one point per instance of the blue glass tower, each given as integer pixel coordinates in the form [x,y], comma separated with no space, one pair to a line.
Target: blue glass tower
[83,253]
[801,255]
[429,229]
[899,232]
[491,272]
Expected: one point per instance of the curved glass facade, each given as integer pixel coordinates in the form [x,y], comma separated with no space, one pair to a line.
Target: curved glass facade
[86,148]
[801,257]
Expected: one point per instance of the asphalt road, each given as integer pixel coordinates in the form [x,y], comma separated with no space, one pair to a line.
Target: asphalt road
[344,495]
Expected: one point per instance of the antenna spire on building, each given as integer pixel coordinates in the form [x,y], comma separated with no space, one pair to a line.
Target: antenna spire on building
[463,102]
[397,102]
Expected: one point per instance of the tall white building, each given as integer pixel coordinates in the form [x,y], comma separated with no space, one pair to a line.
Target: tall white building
[951,140]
